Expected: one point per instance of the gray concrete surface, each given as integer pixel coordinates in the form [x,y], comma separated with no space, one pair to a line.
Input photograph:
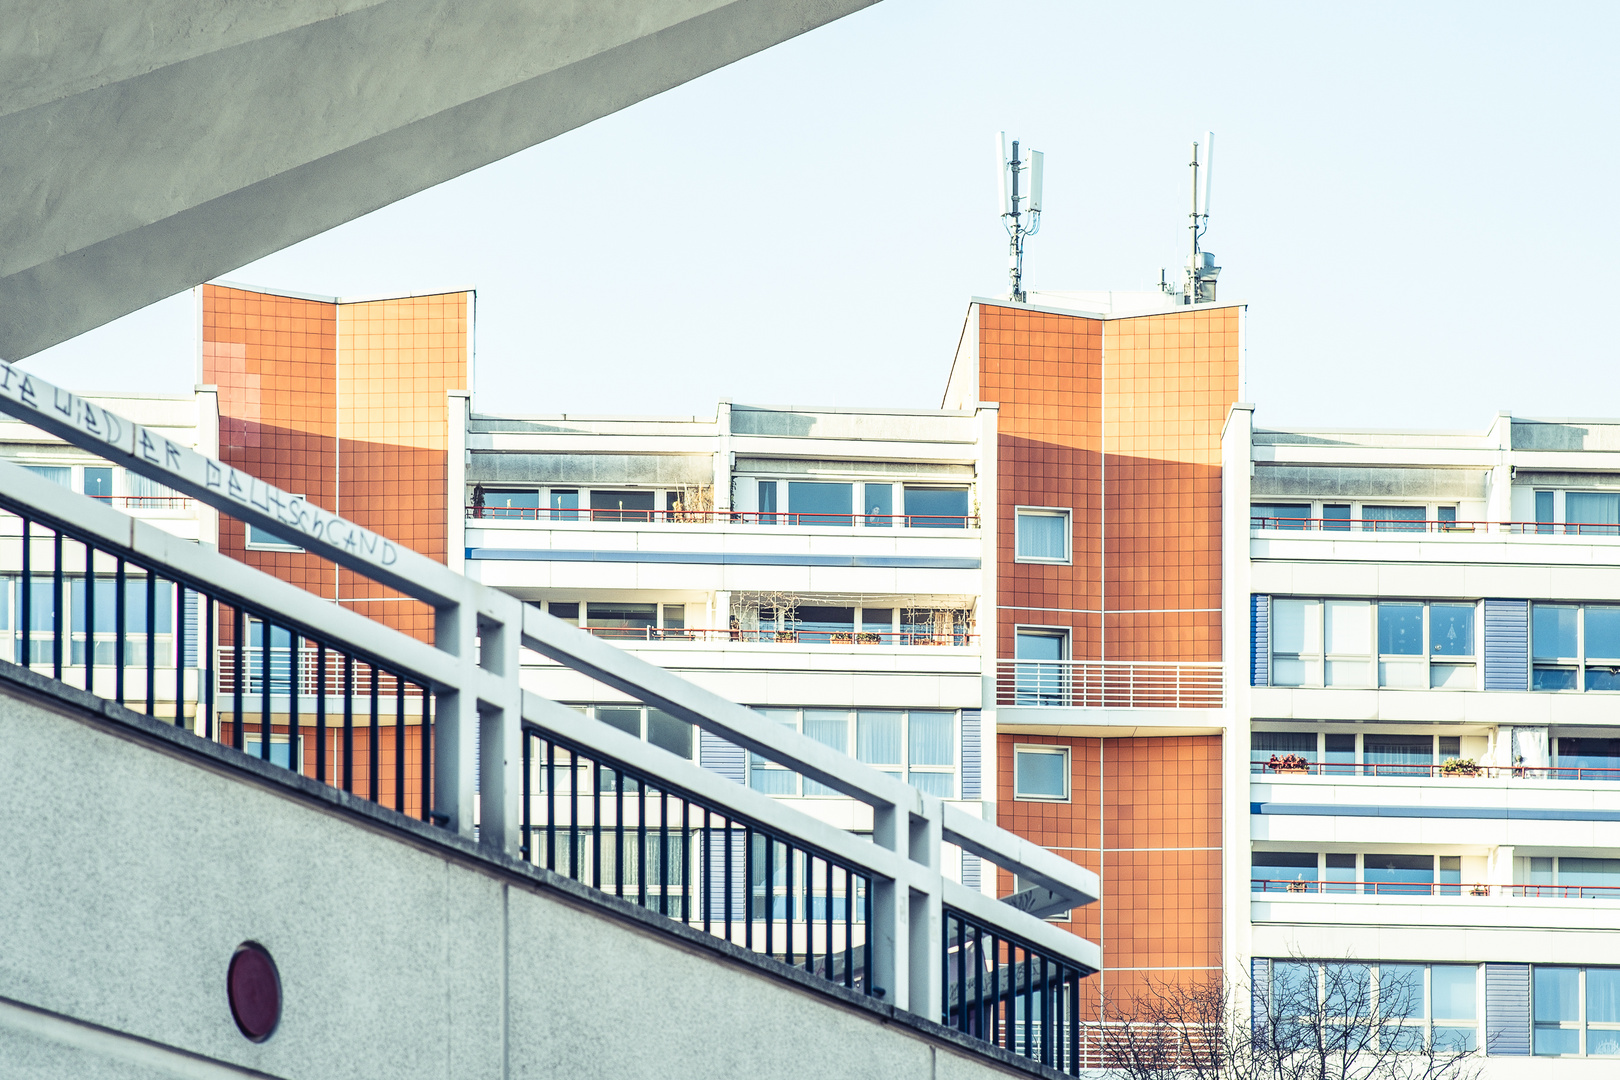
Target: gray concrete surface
[133,868]
[150,145]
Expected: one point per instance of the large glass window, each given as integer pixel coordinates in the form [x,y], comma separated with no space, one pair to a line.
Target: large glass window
[1575,646]
[1556,1008]
[1042,535]
[1349,638]
[1394,518]
[1398,755]
[56,474]
[1451,637]
[821,625]
[766,776]
[563,504]
[1280,515]
[818,503]
[877,739]
[612,620]
[878,503]
[622,505]
[931,752]
[500,503]
[1595,754]
[1296,642]
[1412,1002]
[1592,513]
[1400,635]
[1041,773]
[936,508]
[1399,874]
[1284,871]
[1329,643]
[829,727]
[1039,676]
[1455,1007]
[1603,1012]
[98,482]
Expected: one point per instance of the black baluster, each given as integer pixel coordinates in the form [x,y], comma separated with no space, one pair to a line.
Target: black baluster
[56,610]
[320,712]
[526,826]
[151,643]
[266,678]
[89,618]
[399,742]
[210,665]
[372,756]
[425,738]
[348,722]
[26,659]
[239,649]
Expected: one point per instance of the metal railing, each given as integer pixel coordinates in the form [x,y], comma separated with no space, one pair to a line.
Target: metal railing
[1275,766]
[168,643]
[1404,888]
[145,502]
[1111,684]
[726,517]
[1012,994]
[784,637]
[1383,525]
[476,718]
[635,835]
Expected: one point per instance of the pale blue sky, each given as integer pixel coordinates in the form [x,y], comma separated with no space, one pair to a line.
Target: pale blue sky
[1417,201]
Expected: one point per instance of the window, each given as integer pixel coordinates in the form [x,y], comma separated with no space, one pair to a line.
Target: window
[878,505]
[1592,513]
[1584,753]
[1040,677]
[1398,755]
[151,495]
[821,625]
[1336,517]
[820,504]
[524,505]
[1393,518]
[917,746]
[1282,515]
[98,482]
[1404,875]
[1275,871]
[1041,773]
[1042,535]
[1413,1003]
[936,508]
[56,474]
[622,505]
[635,621]
[567,612]
[1556,1009]
[1544,511]
[1328,643]
[653,725]
[1575,646]
[1266,745]
[767,502]
[148,493]
[563,504]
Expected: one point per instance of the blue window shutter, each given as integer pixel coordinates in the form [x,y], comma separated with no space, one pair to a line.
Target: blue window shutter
[1259,992]
[1507,1009]
[725,758]
[970,870]
[971,768]
[1507,644]
[1259,640]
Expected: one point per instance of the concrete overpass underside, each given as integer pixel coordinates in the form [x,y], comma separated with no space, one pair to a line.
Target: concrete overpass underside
[131,874]
[149,146]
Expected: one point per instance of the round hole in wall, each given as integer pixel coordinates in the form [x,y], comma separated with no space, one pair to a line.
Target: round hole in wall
[253,986]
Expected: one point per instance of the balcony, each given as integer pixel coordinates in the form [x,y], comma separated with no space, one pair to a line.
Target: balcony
[1109,684]
[1445,528]
[1430,910]
[722,517]
[629,636]
[1293,765]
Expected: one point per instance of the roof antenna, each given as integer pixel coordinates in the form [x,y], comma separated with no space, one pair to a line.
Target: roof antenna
[1199,283]
[1018,206]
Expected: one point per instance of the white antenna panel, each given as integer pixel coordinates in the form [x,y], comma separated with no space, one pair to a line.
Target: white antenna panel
[1205,174]
[1037,161]
[1001,173]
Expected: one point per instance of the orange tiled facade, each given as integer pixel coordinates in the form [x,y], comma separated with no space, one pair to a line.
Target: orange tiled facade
[1119,420]
[346,404]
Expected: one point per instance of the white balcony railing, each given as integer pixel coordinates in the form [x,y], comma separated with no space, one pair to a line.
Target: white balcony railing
[1109,684]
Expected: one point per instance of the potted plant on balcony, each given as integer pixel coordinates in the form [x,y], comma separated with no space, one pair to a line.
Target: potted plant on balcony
[1460,767]
[868,638]
[1479,890]
[1298,885]
[1288,763]
[842,639]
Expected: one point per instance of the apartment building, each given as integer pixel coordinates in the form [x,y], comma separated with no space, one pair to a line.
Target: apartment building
[1298,697]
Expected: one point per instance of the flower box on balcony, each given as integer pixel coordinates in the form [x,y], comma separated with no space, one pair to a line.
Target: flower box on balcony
[868,639]
[1289,763]
[1460,767]
[842,639]
[1480,890]
[1298,886]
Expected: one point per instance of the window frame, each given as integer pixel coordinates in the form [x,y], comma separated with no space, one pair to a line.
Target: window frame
[1050,750]
[1577,663]
[1316,662]
[852,746]
[1063,512]
[251,544]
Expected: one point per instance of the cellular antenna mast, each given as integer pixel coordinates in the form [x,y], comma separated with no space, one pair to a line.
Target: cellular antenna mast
[1199,284]
[1020,190]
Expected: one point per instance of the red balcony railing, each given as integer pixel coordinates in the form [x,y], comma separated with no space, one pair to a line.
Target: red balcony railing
[785,637]
[1406,888]
[1292,765]
[726,517]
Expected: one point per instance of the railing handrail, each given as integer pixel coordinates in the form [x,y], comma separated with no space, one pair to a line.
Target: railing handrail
[815,518]
[1197,665]
[800,636]
[1259,523]
[1386,770]
[1420,888]
[1130,684]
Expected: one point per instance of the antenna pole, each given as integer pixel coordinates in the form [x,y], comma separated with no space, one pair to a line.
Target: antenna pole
[1192,261]
[1021,215]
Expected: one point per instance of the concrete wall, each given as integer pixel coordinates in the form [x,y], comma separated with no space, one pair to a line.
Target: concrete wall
[137,858]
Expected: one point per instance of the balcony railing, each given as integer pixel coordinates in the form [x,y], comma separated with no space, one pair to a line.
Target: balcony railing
[1382,525]
[1109,684]
[1284,766]
[145,502]
[632,634]
[238,653]
[726,517]
[1420,888]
